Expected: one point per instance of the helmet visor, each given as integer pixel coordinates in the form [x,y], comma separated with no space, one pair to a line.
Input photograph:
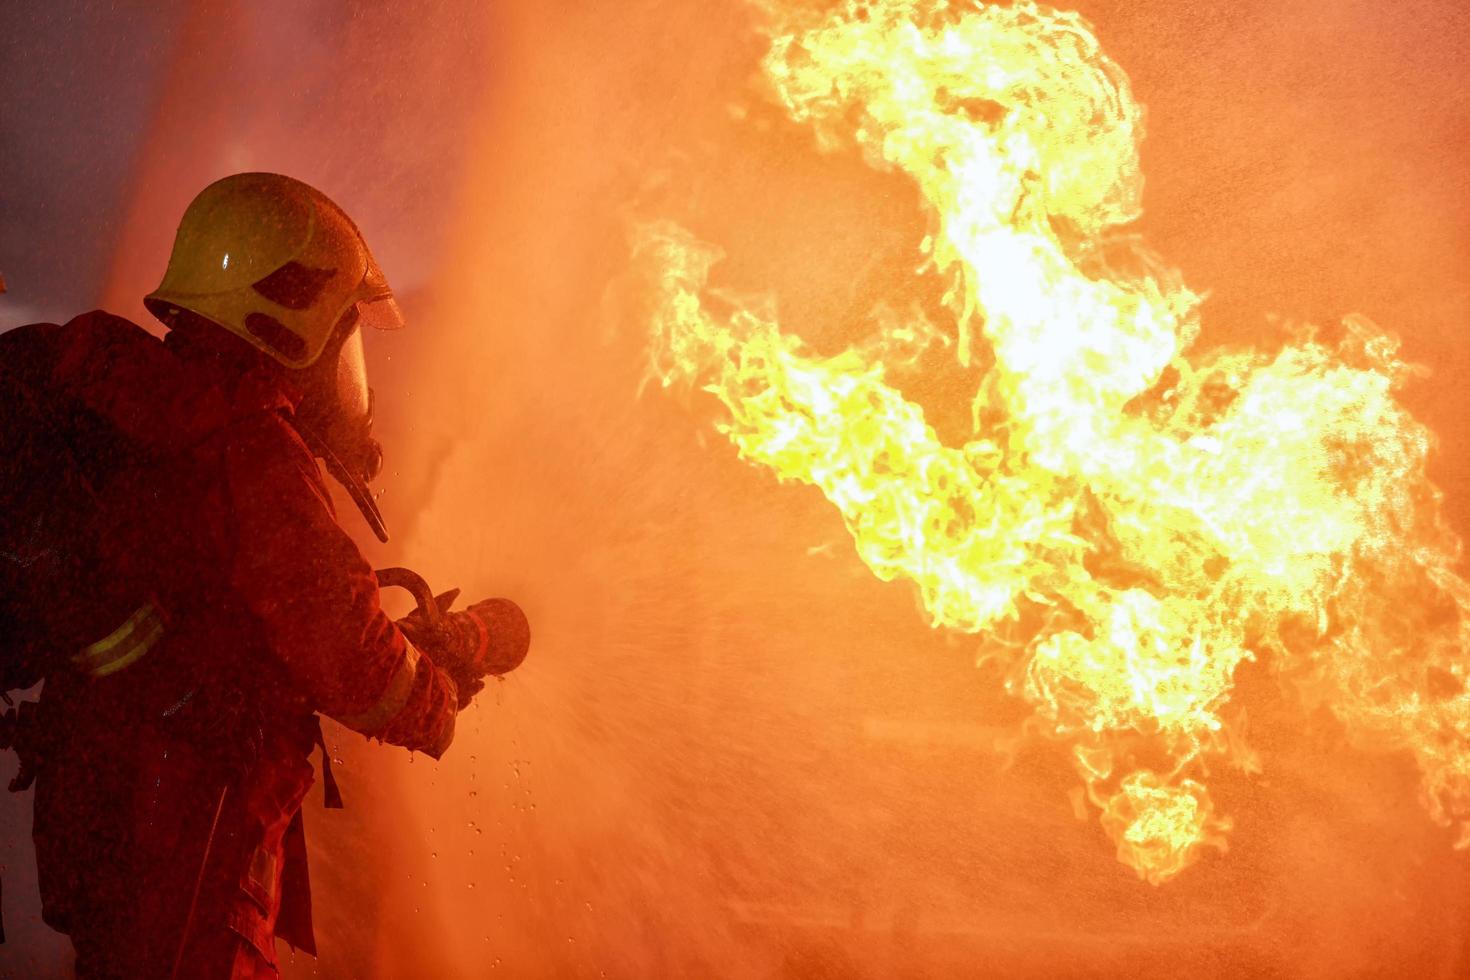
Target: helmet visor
[352,384]
[381,314]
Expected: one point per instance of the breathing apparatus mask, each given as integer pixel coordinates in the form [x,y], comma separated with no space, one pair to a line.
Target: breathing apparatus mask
[335,418]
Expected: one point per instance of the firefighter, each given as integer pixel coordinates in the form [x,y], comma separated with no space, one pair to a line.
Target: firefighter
[210,605]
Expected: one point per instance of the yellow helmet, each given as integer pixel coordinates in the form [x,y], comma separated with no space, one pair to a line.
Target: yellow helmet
[275,262]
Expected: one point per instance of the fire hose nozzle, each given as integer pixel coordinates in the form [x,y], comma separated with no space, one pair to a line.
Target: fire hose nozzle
[430,606]
[491,637]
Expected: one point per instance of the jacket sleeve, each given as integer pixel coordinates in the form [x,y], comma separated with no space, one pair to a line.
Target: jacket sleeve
[303,577]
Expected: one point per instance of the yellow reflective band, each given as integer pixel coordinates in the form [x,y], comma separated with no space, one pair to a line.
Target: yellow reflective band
[102,649]
[394,697]
[136,649]
[123,645]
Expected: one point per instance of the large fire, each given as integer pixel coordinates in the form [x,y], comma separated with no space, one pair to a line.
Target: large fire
[1146,517]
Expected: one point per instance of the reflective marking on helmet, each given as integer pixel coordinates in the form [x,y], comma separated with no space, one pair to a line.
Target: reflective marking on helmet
[275,335]
[293,285]
[124,645]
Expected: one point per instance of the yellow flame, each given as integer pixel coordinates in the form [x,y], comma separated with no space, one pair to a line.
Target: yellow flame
[1149,517]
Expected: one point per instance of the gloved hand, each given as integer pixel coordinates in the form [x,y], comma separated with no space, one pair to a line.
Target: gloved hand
[490,637]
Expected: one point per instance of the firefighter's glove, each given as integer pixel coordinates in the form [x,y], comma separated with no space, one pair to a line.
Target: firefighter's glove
[490,637]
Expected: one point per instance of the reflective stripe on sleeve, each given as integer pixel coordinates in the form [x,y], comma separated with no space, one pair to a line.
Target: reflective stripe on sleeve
[394,697]
[122,646]
[445,735]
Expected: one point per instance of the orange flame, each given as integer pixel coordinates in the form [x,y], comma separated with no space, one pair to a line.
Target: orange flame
[1150,517]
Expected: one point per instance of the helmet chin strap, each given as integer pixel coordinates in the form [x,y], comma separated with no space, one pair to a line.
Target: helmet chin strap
[355,485]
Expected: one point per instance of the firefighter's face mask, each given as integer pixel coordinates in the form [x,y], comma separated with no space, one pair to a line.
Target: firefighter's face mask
[337,413]
[353,412]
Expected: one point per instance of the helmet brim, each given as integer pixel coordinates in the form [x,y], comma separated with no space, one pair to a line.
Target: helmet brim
[381,314]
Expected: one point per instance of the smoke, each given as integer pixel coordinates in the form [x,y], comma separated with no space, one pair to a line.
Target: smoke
[746,756]
[76,86]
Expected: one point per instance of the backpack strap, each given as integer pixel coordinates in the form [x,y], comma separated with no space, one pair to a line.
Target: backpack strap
[331,794]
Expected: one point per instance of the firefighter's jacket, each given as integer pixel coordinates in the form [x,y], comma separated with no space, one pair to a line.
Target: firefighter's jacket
[233,607]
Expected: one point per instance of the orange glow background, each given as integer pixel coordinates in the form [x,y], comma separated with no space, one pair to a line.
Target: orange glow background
[734,752]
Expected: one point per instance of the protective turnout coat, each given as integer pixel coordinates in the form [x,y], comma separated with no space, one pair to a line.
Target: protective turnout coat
[220,606]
